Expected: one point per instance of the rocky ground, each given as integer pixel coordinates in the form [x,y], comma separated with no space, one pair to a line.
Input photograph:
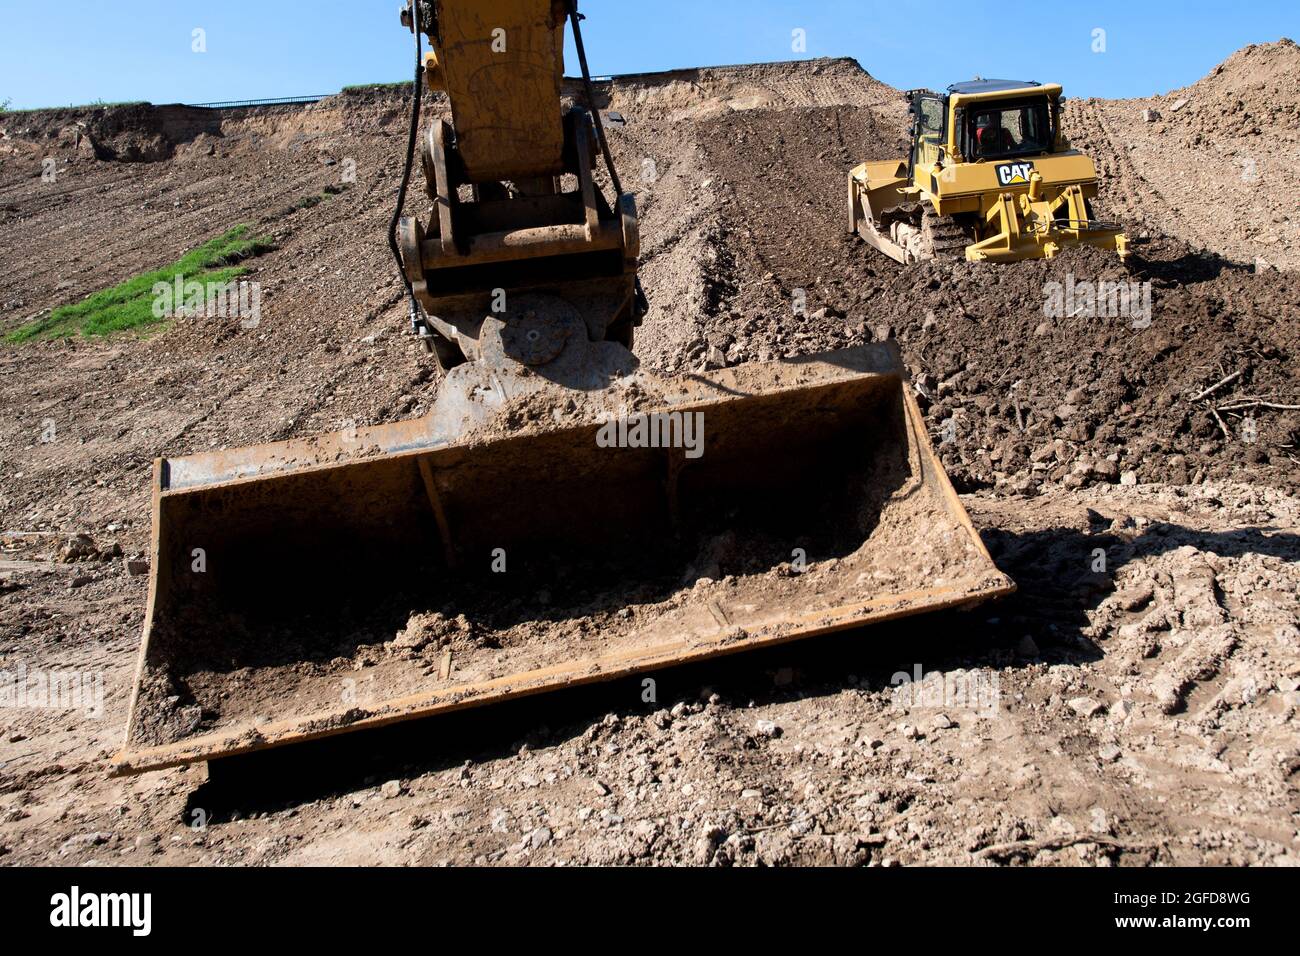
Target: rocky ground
[1136,698]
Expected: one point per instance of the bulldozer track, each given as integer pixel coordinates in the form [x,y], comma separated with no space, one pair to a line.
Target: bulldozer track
[945,239]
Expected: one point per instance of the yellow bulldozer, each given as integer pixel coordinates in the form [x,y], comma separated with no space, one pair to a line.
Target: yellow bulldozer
[562,515]
[991,177]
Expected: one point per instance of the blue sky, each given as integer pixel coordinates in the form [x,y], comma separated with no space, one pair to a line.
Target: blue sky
[80,51]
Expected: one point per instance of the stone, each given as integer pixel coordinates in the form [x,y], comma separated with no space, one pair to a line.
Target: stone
[1043,453]
[767,728]
[1135,598]
[79,547]
[1085,706]
[391,789]
[1105,470]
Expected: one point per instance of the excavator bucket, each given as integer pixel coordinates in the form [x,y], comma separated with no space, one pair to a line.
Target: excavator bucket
[313,587]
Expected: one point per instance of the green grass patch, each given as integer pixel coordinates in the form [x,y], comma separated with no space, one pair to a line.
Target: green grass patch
[130,304]
[375,87]
[97,105]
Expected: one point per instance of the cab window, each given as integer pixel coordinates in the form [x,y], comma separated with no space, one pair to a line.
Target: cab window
[1010,130]
[930,116]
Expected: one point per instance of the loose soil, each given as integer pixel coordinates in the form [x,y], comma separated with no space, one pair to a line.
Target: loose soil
[1147,672]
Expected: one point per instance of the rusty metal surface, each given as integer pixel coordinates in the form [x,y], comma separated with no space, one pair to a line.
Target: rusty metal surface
[295,525]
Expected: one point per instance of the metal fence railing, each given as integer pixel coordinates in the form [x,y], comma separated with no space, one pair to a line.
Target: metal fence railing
[275,101]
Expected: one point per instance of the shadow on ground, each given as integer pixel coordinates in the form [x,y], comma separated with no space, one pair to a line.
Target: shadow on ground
[1058,587]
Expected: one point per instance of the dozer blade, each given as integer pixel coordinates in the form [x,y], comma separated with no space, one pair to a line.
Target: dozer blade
[314,587]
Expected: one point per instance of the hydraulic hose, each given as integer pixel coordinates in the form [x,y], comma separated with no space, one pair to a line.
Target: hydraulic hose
[413,307]
[642,303]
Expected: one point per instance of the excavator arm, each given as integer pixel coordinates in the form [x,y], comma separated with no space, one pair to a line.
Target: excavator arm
[518,217]
[501,65]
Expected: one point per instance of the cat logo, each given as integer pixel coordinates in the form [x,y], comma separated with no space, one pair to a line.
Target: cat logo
[1015,174]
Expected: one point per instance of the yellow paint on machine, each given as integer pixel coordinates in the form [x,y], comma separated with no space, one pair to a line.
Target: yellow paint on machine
[1024,206]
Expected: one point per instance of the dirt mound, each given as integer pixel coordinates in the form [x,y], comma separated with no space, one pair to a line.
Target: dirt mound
[706,91]
[755,265]
[1211,164]
[134,133]
[1257,89]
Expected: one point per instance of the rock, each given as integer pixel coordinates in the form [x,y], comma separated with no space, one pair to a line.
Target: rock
[1027,647]
[540,837]
[137,567]
[1150,116]
[1043,453]
[1178,104]
[1108,753]
[85,839]
[1135,598]
[1085,706]
[1025,485]
[941,722]
[80,547]
[767,728]
[1105,470]
[1128,478]
[412,638]
[391,789]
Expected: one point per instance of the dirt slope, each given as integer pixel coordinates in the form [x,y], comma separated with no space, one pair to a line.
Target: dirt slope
[1147,711]
[1213,164]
